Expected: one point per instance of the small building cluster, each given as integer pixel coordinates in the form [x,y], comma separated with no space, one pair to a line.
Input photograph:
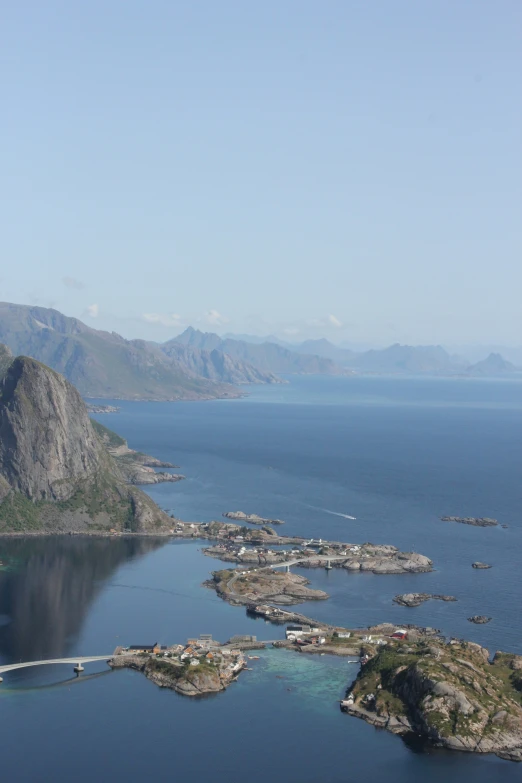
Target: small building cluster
[195,652]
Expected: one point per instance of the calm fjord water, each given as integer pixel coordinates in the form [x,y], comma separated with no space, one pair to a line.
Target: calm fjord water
[394,453]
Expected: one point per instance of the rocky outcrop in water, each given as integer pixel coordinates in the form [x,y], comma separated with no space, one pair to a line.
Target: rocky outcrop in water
[479,619]
[478,564]
[416,599]
[55,474]
[475,521]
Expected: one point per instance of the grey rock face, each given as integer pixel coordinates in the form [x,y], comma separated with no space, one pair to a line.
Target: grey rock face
[55,473]
[6,357]
[47,443]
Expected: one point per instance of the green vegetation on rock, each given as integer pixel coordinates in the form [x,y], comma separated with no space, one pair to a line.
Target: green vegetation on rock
[107,436]
[449,692]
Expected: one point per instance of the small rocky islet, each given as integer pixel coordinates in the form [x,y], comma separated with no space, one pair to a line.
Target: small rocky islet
[475,521]
[416,599]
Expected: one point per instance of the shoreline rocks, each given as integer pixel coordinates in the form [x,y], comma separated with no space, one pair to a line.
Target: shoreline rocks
[416,599]
[101,408]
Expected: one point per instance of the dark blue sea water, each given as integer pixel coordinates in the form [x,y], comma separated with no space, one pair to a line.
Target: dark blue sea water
[396,454]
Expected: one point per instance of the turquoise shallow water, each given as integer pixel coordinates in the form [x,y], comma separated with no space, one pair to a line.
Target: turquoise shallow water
[396,454]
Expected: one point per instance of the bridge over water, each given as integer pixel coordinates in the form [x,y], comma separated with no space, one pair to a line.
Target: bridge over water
[78,663]
[327,559]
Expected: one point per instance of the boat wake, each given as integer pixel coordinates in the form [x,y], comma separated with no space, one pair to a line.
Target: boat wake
[336,513]
[318,508]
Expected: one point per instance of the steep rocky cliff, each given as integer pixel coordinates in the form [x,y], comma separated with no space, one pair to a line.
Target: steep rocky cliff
[55,473]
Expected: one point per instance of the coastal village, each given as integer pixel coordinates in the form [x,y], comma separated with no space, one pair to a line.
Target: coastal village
[199,666]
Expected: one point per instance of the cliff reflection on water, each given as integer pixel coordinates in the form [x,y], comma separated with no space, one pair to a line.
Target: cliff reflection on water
[46,594]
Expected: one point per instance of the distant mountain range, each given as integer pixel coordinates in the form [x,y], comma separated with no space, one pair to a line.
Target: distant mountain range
[268,357]
[322,357]
[104,364]
[493,365]
[202,365]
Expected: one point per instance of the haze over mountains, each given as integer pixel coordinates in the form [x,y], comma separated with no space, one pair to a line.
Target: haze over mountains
[322,357]
[104,364]
[202,365]
[269,357]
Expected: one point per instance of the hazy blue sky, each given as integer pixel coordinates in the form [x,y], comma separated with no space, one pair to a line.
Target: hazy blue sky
[339,168]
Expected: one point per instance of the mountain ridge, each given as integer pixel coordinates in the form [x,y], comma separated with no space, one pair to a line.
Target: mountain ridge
[267,357]
[104,364]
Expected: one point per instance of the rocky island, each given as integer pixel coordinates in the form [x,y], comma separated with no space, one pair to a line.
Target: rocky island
[245,587]
[479,619]
[416,599]
[377,558]
[194,669]
[449,693]
[259,581]
[475,521]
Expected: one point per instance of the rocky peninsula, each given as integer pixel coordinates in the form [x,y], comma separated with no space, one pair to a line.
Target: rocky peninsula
[136,468]
[448,692]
